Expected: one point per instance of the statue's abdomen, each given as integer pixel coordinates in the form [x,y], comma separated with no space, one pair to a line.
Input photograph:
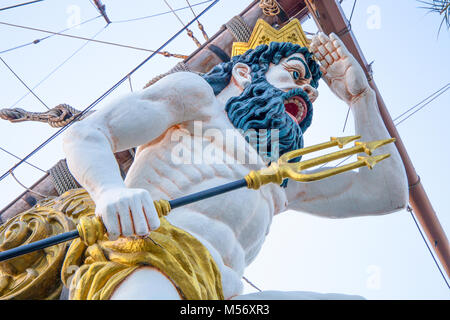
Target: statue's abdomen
[233,224]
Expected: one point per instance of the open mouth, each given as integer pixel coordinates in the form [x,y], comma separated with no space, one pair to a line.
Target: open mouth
[296,108]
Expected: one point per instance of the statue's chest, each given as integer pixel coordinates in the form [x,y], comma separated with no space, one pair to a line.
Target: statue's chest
[180,164]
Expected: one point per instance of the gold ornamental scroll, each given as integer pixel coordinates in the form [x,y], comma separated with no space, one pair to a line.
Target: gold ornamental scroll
[37,275]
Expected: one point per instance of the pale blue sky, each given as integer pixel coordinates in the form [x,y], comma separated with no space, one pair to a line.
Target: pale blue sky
[377,257]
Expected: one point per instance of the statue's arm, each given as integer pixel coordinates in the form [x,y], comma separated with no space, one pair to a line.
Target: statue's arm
[130,121]
[381,190]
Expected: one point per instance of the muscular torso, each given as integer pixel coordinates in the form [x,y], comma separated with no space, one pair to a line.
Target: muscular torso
[232,226]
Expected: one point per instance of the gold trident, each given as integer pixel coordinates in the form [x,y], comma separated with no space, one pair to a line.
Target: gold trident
[91,229]
[275,173]
[282,169]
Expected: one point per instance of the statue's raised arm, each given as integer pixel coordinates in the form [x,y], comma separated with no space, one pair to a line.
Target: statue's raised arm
[365,192]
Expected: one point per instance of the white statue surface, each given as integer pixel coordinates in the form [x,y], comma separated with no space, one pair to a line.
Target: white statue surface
[183,112]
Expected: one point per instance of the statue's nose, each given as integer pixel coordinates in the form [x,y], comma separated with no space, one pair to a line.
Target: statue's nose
[311,92]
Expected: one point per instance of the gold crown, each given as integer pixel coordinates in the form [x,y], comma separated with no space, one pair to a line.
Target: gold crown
[263,33]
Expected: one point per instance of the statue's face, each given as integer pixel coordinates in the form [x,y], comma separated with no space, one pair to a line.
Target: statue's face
[291,73]
[280,100]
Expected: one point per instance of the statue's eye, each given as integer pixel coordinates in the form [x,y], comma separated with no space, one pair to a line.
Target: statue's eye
[296,75]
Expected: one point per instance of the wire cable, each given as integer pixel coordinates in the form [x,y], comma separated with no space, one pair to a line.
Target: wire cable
[93,104]
[349,22]
[353,9]
[29,89]
[346,118]
[36,41]
[160,14]
[173,11]
[59,66]
[410,210]
[20,4]
[75,37]
[11,154]
[251,283]
[437,93]
[25,187]
[421,107]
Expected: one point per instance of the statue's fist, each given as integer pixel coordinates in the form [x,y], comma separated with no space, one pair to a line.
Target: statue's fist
[341,71]
[127,212]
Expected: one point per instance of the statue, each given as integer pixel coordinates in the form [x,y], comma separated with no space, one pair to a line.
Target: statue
[179,125]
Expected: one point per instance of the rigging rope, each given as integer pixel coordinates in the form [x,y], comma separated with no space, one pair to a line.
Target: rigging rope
[240,30]
[93,104]
[25,187]
[188,31]
[131,85]
[56,117]
[62,178]
[200,25]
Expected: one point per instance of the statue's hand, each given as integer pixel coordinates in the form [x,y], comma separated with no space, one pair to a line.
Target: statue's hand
[127,212]
[341,71]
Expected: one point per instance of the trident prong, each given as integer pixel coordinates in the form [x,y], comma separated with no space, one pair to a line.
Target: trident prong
[370,162]
[282,169]
[369,147]
[342,141]
[334,141]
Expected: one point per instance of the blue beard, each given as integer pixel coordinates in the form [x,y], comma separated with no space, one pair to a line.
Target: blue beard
[261,106]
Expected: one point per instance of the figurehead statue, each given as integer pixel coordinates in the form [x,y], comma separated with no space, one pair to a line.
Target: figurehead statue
[200,251]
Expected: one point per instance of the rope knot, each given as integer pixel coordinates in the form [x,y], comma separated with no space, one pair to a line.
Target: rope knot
[270,7]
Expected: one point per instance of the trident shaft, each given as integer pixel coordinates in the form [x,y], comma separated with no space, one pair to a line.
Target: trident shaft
[91,229]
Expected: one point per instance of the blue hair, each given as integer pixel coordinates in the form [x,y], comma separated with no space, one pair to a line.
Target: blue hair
[259,60]
[260,106]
